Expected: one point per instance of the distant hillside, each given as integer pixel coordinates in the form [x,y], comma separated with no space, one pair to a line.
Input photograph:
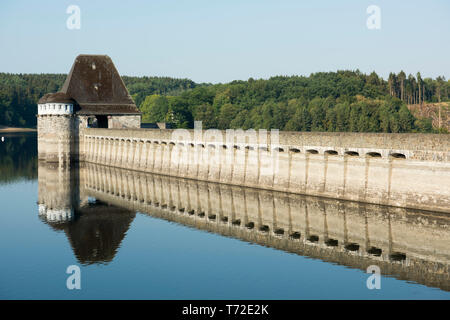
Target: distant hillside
[324,101]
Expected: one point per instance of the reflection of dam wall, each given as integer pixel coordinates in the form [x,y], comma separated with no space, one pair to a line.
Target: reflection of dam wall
[405,243]
[405,170]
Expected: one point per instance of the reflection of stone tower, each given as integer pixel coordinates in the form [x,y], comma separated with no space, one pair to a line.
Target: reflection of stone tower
[57,193]
[55,125]
[94,229]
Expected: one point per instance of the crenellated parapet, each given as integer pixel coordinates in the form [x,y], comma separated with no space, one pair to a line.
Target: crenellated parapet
[55,109]
[56,104]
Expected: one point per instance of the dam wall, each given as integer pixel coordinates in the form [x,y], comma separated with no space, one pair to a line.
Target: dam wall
[404,170]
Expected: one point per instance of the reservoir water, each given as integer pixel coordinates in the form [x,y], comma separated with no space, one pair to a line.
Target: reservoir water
[137,235]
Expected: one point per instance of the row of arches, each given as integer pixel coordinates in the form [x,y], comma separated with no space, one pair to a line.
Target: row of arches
[295,150]
[281,170]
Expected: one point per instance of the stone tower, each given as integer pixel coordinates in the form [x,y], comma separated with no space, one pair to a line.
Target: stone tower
[56,124]
[93,95]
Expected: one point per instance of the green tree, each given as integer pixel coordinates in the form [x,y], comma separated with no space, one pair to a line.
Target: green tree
[154,108]
[406,119]
[206,114]
[179,113]
[227,113]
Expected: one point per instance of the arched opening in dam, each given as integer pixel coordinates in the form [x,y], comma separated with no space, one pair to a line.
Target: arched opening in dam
[373,154]
[397,155]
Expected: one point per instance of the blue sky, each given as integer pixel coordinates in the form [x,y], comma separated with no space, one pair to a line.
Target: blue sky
[221,41]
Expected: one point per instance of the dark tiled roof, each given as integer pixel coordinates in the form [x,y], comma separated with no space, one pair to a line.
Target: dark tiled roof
[43,99]
[59,97]
[101,108]
[97,87]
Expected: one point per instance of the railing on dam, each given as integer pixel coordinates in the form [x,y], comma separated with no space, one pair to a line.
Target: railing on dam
[95,206]
[405,170]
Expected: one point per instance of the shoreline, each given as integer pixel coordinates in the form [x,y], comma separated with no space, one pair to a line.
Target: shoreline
[14,129]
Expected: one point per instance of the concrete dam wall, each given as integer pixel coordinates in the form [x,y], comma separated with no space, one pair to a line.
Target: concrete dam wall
[404,170]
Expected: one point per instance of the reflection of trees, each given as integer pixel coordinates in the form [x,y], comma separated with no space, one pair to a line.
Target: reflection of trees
[18,157]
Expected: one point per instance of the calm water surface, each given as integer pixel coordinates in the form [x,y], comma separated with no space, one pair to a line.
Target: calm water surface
[143,236]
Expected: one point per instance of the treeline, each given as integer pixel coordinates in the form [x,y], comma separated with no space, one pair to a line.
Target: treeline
[332,101]
[358,114]
[324,101]
[19,93]
[415,90]
[141,87]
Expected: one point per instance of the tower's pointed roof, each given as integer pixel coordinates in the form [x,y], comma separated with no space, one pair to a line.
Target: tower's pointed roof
[97,87]
[60,97]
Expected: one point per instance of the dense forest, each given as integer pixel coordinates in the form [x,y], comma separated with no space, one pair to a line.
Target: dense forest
[19,94]
[325,101]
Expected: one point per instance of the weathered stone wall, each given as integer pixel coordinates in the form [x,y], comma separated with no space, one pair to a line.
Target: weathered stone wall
[56,137]
[60,136]
[123,121]
[405,170]
[415,146]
